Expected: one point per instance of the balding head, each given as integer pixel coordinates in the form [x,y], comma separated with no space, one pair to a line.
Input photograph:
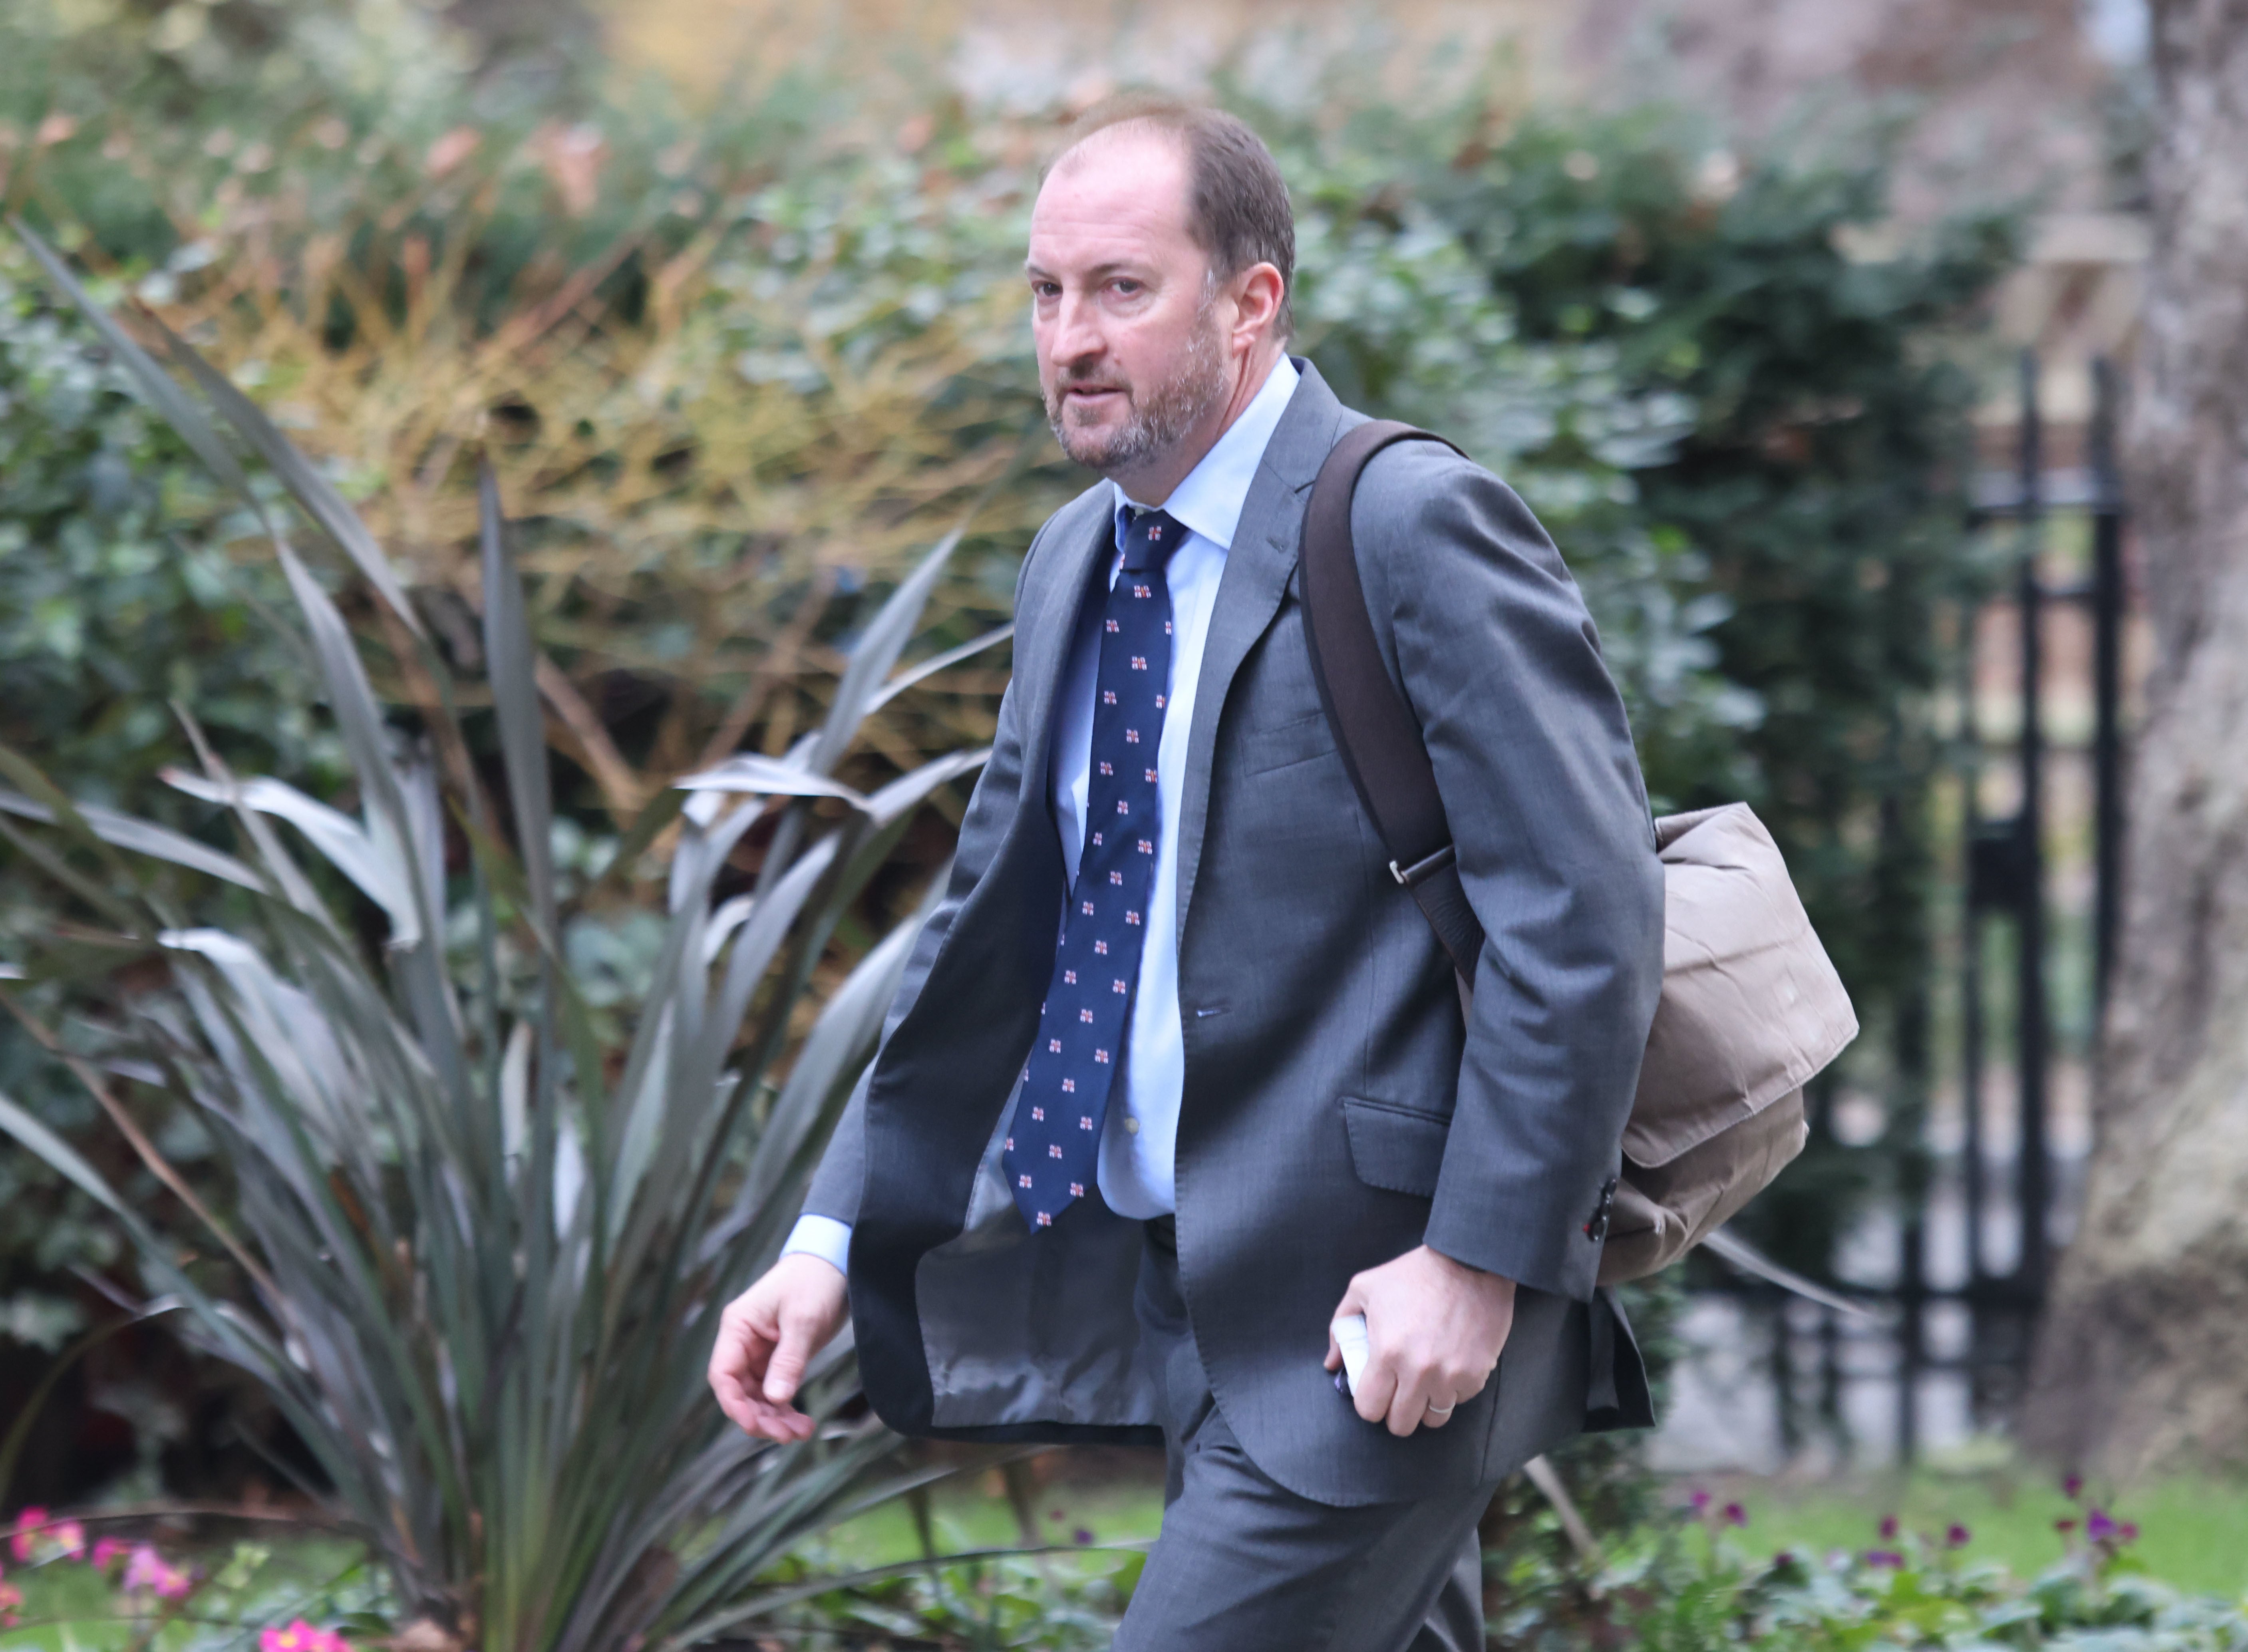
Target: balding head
[1236,203]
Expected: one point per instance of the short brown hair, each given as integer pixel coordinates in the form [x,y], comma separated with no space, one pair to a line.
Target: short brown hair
[1237,208]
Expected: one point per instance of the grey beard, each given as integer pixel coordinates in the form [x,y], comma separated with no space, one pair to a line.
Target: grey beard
[1158,423]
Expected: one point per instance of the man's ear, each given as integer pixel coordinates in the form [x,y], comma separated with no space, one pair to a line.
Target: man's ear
[1257,294]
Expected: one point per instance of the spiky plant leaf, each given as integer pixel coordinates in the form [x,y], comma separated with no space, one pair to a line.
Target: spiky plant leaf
[177,407]
[142,837]
[487,1235]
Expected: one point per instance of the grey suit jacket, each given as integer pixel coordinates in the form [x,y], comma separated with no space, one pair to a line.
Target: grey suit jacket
[1337,1110]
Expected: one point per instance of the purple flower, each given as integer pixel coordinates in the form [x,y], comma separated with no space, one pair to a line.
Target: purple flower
[1888,1558]
[1736,1515]
[1888,1527]
[1080,1537]
[2098,1527]
[144,1567]
[2130,1530]
[1956,1536]
[1785,1556]
[2073,1486]
[1699,1502]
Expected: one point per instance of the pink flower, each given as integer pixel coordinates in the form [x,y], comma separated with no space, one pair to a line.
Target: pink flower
[301,1636]
[10,1599]
[1957,1535]
[2063,1526]
[1736,1515]
[2072,1485]
[2099,1526]
[108,1549]
[1699,1501]
[151,1571]
[1888,1526]
[27,1522]
[38,1534]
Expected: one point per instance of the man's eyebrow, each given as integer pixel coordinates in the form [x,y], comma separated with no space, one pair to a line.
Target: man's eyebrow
[1114,267]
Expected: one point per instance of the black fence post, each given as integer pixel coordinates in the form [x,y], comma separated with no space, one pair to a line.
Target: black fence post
[2108,599]
[1980,842]
[1913,1179]
[2033,1173]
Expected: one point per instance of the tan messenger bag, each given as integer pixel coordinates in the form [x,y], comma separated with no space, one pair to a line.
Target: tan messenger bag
[1751,1007]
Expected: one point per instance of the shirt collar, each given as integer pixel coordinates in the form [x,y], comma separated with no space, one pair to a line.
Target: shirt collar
[1208,502]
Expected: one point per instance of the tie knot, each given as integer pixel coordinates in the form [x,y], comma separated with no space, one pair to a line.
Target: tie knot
[1149,539]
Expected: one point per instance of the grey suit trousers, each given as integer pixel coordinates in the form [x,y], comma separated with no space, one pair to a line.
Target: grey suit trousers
[1243,1564]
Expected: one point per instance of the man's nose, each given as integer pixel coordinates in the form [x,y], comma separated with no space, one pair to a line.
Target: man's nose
[1075,334]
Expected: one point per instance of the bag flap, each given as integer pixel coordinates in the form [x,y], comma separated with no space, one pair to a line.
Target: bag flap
[1751,1007]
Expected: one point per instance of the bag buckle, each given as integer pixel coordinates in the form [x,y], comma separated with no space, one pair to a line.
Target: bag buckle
[1421,871]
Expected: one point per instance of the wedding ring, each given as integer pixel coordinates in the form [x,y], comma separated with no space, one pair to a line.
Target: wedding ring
[1442,1410]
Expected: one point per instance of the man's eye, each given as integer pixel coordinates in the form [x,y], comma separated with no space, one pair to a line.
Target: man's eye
[1128,289]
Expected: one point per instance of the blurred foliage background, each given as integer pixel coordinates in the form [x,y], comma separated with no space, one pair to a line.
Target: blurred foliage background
[736,362]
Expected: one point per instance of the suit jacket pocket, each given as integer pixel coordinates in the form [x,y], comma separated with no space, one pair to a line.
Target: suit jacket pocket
[1297,741]
[1395,1147]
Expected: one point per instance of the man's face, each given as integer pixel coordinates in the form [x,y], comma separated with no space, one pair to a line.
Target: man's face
[1129,353]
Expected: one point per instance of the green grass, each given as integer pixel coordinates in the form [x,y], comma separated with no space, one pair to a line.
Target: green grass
[972,1512]
[2193,1533]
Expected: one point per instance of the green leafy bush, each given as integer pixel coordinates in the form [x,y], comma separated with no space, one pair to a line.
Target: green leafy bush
[81,1590]
[1692,1591]
[1070,1601]
[118,595]
[1819,501]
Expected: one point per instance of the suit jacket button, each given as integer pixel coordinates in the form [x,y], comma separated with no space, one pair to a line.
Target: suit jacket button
[1131,1126]
[1597,1229]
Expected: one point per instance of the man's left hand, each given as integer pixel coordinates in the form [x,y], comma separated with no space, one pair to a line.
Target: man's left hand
[1434,1329]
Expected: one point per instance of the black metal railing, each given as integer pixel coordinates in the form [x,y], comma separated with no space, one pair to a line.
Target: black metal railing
[2005,871]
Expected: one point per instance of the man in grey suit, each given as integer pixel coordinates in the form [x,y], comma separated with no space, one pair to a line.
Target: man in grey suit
[1178,1074]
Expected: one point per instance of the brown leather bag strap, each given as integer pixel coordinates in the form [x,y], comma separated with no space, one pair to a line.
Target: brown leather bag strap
[1375,727]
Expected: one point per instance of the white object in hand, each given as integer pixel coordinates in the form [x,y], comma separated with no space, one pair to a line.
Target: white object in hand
[1349,1332]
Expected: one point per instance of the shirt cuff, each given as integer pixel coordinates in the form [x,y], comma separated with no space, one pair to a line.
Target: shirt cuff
[823,1236]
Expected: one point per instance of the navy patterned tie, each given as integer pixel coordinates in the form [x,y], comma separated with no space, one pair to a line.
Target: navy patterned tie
[1053,1143]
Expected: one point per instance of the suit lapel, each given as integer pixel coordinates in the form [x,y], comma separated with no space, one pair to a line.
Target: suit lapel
[1043,633]
[1258,567]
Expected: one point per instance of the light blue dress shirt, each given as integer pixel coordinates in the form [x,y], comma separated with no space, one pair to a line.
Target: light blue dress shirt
[1140,1137]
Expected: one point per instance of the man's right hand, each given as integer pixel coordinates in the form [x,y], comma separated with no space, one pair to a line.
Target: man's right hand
[767,1336]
